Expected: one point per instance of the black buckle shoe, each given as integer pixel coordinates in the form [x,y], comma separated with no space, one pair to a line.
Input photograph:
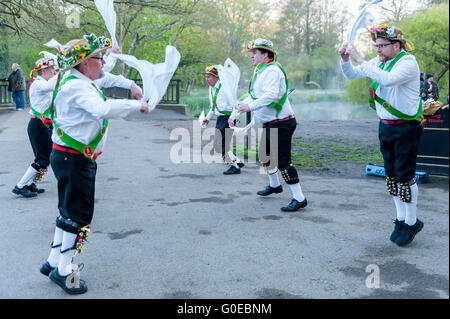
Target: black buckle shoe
[46,269]
[24,191]
[270,190]
[68,283]
[397,229]
[294,205]
[35,189]
[232,170]
[240,165]
[408,233]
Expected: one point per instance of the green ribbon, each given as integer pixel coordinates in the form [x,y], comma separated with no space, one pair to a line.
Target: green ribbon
[386,105]
[214,100]
[278,106]
[89,149]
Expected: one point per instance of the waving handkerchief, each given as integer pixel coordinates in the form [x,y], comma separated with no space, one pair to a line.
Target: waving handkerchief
[364,18]
[54,44]
[106,9]
[229,75]
[155,77]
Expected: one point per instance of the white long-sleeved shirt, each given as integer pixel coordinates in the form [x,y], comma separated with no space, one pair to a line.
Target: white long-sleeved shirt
[41,91]
[80,110]
[400,87]
[222,102]
[269,86]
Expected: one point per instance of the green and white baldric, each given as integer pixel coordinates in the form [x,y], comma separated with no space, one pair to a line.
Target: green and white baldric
[386,105]
[42,116]
[214,100]
[278,106]
[89,149]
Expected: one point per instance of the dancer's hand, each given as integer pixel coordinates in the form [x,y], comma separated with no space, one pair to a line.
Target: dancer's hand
[144,108]
[243,107]
[230,122]
[136,91]
[205,122]
[343,52]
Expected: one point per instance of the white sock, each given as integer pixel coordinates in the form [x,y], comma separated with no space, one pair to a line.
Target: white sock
[297,192]
[411,207]
[29,175]
[65,260]
[235,164]
[273,180]
[55,253]
[400,207]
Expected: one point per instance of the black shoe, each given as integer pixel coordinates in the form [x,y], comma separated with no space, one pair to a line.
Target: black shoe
[294,205]
[270,190]
[397,230]
[24,191]
[34,188]
[46,269]
[240,165]
[408,233]
[232,170]
[62,281]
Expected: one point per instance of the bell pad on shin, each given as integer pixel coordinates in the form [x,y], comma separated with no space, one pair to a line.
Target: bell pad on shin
[290,175]
[391,185]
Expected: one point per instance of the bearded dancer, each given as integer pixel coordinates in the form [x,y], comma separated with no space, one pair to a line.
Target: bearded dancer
[268,100]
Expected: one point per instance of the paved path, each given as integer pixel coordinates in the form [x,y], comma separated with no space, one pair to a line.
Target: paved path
[165,230]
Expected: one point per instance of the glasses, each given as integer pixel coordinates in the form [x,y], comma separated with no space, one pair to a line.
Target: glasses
[97,57]
[381,46]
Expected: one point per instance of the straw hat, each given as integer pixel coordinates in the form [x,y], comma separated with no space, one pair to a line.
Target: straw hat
[391,33]
[211,70]
[78,50]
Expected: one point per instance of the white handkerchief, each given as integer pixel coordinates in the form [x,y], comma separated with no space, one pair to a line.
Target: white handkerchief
[155,77]
[54,44]
[106,9]
[201,118]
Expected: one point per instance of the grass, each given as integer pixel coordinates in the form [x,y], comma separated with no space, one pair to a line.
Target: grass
[321,153]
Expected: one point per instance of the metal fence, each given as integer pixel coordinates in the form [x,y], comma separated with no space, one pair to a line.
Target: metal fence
[172,95]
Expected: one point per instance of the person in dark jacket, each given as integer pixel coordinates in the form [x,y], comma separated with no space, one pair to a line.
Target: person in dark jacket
[431,87]
[17,86]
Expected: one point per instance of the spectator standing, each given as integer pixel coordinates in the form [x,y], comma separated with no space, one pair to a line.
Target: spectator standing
[17,86]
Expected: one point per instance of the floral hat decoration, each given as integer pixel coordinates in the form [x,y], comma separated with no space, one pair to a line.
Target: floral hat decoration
[391,33]
[211,70]
[262,44]
[79,49]
[44,63]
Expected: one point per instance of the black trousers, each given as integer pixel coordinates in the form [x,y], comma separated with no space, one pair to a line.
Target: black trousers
[272,155]
[223,135]
[399,144]
[41,141]
[76,185]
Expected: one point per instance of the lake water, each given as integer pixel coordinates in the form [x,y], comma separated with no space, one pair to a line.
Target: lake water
[329,110]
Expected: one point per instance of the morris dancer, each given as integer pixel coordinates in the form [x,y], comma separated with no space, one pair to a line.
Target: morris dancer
[222,108]
[39,127]
[81,113]
[268,100]
[394,94]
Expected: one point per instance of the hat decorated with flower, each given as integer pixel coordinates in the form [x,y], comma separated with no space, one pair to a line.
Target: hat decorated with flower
[211,70]
[261,44]
[44,63]
[77,50]
[391,33]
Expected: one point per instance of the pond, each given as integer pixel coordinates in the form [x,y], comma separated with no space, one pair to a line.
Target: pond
[333,110]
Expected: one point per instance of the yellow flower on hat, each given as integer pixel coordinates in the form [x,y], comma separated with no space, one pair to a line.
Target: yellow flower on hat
[81,56]
[77,47]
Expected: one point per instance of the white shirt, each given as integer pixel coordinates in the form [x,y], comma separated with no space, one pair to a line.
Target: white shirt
[400,87]
[269,86]
[80,110]
[222,102]
[41,92]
